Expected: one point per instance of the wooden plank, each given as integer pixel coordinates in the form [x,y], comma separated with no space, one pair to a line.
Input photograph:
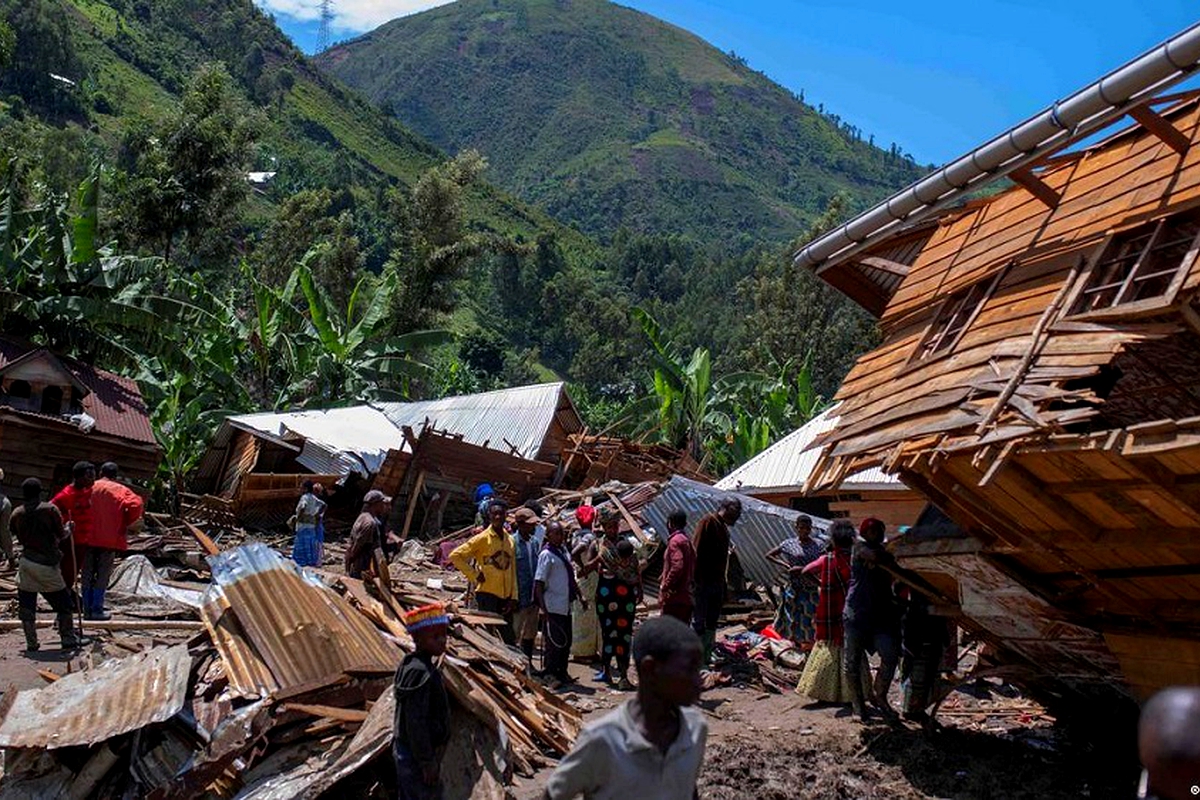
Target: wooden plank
[412,503]
[1031,183]
[328,712]
[1161,128]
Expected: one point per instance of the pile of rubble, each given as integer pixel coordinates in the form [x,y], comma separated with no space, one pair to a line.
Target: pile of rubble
[283,693]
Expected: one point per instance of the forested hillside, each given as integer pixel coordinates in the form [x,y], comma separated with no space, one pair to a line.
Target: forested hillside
[608,118]
[185,199]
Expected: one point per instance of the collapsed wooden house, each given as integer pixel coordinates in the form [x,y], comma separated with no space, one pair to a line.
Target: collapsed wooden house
[779,474]
[256,463]
[55,411]
[1038,381]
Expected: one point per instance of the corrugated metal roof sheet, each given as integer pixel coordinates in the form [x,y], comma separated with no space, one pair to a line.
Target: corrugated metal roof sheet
[83,708]
[762,525]
[521,416]
[277,627]
[344,440]
[788,463]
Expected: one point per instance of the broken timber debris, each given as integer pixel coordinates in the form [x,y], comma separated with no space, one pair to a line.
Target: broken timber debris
[285,659]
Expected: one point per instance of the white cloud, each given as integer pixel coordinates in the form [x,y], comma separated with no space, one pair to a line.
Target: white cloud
[355,16]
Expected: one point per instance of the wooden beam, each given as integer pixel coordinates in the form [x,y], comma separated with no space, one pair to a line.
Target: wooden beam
[1190,316]
[412,503]
[885,264]
[1035,186]
[1164,130]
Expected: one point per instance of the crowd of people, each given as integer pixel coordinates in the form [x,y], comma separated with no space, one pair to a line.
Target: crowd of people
[68,546]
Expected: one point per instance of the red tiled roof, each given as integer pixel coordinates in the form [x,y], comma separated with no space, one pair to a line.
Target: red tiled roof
[114,402]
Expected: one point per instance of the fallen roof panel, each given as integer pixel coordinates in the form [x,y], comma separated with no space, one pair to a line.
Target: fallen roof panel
[277,627]
[95,705]
[761,527]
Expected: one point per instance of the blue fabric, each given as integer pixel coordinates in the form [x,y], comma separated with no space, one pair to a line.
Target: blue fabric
[527,556]
[306,551]
[484,490]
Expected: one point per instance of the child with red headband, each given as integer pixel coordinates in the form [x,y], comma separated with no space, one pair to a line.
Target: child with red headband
[421,727]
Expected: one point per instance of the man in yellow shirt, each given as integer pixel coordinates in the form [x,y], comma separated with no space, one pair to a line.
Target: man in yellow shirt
[488,560]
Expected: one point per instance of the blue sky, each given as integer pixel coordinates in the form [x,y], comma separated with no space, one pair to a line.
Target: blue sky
[937,78]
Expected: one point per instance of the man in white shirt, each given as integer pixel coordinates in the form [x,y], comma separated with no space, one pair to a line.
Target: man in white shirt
[553,589]
[653,744]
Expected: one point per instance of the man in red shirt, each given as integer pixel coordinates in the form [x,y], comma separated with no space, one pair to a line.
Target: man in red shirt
[74,502]
[114,508]
[679,566]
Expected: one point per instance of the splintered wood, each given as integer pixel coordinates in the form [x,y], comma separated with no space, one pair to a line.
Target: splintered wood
[488,678]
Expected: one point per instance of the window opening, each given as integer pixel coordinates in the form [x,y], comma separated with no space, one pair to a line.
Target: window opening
[954,317]
[1140,264]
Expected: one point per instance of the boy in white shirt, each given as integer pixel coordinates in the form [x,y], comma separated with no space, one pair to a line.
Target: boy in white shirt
[653,744]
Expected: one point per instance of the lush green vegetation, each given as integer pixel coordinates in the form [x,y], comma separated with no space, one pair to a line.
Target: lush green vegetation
[609,118]
[372,265]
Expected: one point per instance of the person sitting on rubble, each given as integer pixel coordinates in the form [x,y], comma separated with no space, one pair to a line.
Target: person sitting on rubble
[527,545]
[585,625]
[871,618]
[74,502]
[488,560]
[421,726]
[115,509]
[6,542]
[39,528]
[618,592]
[653,744]
[679,567]
[306,550]
[554,590]
[364,549]
[798,604]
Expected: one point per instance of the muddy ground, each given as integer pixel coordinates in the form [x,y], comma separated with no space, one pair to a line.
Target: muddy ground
[769,746]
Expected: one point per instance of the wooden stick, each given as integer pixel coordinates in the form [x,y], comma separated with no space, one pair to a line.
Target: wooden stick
[118,624]
[1035,348]
[412,503]
[330,712]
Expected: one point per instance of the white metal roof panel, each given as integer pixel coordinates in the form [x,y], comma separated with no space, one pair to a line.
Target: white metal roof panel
[353,438]
[788,463]
[521,416]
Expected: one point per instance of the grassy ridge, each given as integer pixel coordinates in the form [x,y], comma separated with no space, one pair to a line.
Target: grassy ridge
[608,118]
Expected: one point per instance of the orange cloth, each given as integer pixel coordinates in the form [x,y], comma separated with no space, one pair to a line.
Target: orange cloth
[114,508]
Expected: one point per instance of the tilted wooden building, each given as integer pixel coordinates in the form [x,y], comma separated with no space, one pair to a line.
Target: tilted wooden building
[55,411]
[1039,382]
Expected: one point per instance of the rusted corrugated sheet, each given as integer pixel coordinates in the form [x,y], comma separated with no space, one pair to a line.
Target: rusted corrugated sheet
[761,527]
[277,628]
[97,704]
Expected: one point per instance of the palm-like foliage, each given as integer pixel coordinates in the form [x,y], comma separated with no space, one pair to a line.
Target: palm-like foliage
[351,356]
[727,420]
[61,288]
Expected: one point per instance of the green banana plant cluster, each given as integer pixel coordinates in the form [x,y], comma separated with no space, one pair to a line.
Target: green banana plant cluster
[198,352]
[723,421]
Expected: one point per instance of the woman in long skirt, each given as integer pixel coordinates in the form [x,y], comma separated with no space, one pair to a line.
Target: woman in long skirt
[618,592]
[306,550]
[798,605]
[823,679]
[585,624]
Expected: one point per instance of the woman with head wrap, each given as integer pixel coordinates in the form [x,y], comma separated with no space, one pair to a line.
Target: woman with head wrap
[618,592]
[585,625]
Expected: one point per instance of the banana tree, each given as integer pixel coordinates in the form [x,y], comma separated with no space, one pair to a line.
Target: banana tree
[349,356]
[61,288]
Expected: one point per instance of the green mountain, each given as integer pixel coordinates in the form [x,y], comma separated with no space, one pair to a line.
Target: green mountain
[87,72]
[607,118]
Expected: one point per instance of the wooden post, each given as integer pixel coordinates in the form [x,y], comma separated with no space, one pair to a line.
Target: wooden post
[412,504]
